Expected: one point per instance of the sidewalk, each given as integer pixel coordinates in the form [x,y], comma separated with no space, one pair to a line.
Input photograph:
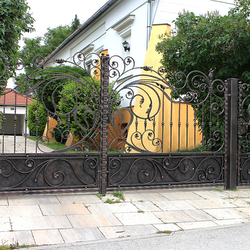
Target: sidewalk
[84,217]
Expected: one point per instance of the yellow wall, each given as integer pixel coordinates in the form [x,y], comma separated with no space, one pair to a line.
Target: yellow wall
[47,136]
[166,139]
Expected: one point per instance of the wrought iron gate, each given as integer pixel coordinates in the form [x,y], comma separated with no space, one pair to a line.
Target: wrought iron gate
[116,126]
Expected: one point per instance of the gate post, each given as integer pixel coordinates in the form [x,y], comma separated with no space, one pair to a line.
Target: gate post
[104,122]
[231,133]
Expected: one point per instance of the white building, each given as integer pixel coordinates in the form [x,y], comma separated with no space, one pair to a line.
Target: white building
[129,20]
[13,107]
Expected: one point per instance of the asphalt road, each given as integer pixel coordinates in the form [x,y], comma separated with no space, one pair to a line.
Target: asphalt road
[228,238]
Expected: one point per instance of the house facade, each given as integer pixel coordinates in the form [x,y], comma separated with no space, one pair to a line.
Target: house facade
[139,24]
[131,21]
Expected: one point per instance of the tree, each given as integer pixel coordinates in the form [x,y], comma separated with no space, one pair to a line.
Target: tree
[204,42]
[14,21]
[75,24]
[42,46]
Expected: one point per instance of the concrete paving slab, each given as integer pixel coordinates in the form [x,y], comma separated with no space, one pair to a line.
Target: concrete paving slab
[81,234]
[137,218]
[40,222]
[93,220]
[173,205]
[173,216]
[4,201]
[143,196]
[29,199]
[167,227]
[63,209]
[199,215]
[146,206]
[111,208]
[211,194]
[245,211]
[225,213]
[186,195]
[197,224]
[238,193]
[5,225]
[215,203]
[8,211]
[240,202]
[78,198]
[47,237]
[230,222]
[22,238]
[127,231]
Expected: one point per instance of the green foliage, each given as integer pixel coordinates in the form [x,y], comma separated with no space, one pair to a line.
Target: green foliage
[33,114]
[207,42]
[43,46]
[14,21]
[82,95]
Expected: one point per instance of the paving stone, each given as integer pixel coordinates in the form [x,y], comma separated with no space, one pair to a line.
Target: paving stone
[173,205]
[240,202]
[198,215]
[78,199]
[230,222]
[181,195]
[25,200]
[173,216]
[111,208]
[21,237]
[215,203]
[137,218]
[167,227]
[225,213]
[127,231]
[245,211]
[81,234]
[93,220]
[197,224]
[46,237]
[4,201]
[211,194]
[64,209]
[40,222]
[143,196]
[5,224]
[8,211]
[238,193]
[146,206]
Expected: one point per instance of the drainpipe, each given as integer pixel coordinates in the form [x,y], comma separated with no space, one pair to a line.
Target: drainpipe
[149,21]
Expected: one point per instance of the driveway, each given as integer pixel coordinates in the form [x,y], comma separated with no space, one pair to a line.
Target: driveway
[20,144]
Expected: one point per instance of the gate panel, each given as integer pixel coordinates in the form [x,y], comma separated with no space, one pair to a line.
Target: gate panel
[57,110]
[167,130]
[243,166]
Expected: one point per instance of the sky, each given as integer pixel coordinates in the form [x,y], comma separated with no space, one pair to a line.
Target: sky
[52,13]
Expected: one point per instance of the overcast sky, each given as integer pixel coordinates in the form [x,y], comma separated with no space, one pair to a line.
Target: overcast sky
[52,13]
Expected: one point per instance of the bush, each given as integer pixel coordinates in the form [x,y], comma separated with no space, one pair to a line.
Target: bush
[33,115]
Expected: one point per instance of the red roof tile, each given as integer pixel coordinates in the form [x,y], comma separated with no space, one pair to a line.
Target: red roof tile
[10,98]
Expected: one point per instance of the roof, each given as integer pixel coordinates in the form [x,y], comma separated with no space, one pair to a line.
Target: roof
[11,95]
[97,14]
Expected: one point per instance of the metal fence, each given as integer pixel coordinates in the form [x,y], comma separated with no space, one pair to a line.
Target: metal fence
[101,123]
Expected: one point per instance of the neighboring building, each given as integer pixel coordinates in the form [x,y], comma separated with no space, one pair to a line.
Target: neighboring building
[14,107]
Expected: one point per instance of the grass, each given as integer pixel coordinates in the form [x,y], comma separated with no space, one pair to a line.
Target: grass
[16,245]
[99,195]
[118,194]
[112,201]
[164,232]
